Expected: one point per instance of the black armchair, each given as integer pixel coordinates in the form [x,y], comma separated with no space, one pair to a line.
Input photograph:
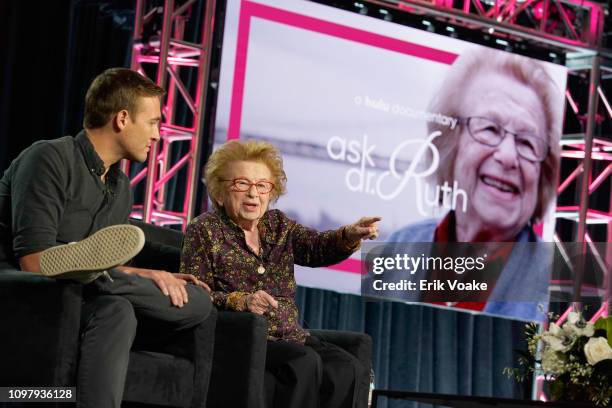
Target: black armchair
[239,377]
[39,343]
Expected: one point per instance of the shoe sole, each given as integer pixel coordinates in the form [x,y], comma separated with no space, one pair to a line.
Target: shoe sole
[111,246]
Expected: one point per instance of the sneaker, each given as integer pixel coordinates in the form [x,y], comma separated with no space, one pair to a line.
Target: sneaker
[86,260]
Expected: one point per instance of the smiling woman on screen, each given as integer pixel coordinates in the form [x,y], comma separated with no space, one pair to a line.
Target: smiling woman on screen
[503,155]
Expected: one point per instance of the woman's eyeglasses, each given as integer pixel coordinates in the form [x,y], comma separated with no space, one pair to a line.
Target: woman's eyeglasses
[242,185]
[488,132]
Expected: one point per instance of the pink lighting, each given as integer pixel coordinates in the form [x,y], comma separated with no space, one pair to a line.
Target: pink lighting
[605,101]
[171,55]
[571,101]
[538,10]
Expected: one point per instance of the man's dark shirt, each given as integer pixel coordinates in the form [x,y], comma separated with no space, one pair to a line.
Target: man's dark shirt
[52,194]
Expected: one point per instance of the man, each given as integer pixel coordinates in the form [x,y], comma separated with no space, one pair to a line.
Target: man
[71,189]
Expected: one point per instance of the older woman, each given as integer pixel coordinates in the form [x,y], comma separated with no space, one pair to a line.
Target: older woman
[246,253]
[505,158]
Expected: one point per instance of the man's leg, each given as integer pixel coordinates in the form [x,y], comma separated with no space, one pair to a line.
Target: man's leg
[151,304]
[108,329]
[113,305]
[297,371]
[345,380]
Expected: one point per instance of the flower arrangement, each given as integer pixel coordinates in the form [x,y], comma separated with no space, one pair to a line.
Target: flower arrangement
[575,358]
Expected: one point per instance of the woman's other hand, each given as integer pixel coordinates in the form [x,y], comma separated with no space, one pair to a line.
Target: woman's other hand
[259,302]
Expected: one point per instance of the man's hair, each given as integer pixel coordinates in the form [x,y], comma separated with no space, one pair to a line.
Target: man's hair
[114,90]
[449,101]
[237,150]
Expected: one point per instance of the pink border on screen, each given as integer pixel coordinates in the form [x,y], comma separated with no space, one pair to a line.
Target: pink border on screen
[250,9]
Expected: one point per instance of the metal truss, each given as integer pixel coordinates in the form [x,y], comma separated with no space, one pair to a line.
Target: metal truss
[565,23]
[580,152]
[589,156]
[174,61]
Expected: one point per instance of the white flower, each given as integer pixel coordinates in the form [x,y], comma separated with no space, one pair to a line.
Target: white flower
[558,339]
[555,330]
[597,349]
[553,362]
[574,317]
[576,326]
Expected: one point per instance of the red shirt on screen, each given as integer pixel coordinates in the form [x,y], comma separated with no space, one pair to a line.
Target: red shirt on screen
[445,232]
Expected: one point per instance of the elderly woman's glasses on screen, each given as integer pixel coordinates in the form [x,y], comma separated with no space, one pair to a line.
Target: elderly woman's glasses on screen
[485,131]
[242,185]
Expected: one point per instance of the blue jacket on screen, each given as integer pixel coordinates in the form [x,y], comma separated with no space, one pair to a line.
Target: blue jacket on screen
[526,274]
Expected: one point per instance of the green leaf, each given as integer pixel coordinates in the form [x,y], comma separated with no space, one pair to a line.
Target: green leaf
[605,323]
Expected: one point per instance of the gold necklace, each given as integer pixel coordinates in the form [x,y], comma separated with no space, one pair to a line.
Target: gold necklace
[260,269]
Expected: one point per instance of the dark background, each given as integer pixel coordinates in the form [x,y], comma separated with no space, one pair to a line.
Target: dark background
[51,51]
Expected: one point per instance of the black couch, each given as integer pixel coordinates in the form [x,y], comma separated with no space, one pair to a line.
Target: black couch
[39,343]
[33,307]
[239,376]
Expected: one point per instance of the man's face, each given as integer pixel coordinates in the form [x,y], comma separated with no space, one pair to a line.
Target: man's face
[501,186]
[142,129]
